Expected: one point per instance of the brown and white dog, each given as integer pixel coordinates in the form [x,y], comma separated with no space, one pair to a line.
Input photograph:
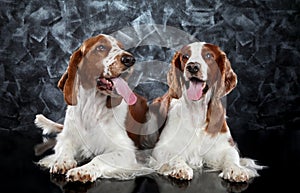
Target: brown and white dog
[196,133]
[101,108]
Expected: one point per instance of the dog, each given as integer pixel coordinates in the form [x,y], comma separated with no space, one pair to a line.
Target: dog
[101,109]
[195,133]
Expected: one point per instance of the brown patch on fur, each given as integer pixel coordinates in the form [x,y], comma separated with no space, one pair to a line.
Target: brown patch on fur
[228,78]
[91,43]
[113,101]
[136,117]
[61,83]
[66,82]
[214,72]
[224,128]
[215,117]
[225,80]
[174,77]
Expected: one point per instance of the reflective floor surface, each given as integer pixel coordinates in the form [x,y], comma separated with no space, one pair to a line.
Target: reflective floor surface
[277,149]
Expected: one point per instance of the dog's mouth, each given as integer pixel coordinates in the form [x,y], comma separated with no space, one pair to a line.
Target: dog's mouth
[119,85]
[105,84]
[197,88]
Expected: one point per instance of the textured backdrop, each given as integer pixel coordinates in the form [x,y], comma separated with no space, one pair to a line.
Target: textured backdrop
[260,37]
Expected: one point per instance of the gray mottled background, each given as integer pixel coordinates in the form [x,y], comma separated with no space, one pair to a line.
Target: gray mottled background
[260,37]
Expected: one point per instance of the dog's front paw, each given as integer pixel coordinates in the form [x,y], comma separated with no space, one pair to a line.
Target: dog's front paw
[236,173]
[83,174]
[47,162]
[180,172]
[62,166]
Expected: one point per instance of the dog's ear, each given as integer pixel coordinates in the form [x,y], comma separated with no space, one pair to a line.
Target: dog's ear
[175,77]
[215,117]
[230,78]
[67,81]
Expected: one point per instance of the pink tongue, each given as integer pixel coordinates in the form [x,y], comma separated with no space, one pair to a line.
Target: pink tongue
[124,90]
[195,90]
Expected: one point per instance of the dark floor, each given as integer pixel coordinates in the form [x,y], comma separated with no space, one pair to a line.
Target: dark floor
[279,150]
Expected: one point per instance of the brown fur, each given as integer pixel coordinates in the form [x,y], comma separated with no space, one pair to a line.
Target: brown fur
[135,119]
[66,83]
[229,78]
[174,77]
[215,117]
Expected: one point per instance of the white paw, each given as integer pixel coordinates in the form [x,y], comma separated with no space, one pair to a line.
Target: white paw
[180,172]
[83,174]
[46,162]
[236,173]
[61,166]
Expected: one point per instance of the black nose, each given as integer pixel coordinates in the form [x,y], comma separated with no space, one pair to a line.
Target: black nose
[128,60]
[193,67]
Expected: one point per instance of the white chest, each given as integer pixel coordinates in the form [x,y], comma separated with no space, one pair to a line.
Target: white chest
[94,127]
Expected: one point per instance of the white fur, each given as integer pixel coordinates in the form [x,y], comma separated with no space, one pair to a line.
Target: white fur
[185,145]
[111,57]
[196,57]
[93,131]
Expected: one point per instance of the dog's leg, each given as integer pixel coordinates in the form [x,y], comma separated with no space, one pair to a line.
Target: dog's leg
[63,159]
[118,164]
[233,168]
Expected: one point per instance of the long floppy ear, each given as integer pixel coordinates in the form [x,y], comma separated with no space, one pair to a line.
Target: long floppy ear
[228,79]
[66,82]
[229,74]
[174,77]
[215,117]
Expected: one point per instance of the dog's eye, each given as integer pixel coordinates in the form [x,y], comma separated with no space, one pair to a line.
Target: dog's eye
[101,48]
[185,57]
[208,56]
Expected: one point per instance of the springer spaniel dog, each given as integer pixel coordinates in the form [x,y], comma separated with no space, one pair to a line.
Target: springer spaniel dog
[101,109]
[195,133]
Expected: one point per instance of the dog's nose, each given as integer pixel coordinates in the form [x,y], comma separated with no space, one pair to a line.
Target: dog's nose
[193,67]
[127,60]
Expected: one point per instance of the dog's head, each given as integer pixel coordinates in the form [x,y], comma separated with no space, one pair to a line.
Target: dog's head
[98,64]
[199,67]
